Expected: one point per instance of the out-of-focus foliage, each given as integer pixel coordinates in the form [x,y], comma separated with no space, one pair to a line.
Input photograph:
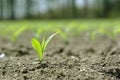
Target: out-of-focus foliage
[109,27]
[20,9]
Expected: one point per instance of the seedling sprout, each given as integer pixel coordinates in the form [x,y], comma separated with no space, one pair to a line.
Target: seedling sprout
[39,47]
[17,33]
[38,32]
[92,35]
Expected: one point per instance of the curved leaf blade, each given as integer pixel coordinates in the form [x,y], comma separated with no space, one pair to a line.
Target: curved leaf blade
[47,41]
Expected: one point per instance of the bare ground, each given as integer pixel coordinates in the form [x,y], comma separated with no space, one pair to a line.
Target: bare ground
[79,59]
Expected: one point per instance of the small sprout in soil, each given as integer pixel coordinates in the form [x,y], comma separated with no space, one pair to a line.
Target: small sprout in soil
[40,47]
[17,33]
[38,32]
[92,35]
[101,31]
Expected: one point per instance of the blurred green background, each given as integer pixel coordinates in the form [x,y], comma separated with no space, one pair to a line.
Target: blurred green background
[59,9]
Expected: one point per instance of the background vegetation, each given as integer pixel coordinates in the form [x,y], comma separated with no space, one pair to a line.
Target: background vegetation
[59,9]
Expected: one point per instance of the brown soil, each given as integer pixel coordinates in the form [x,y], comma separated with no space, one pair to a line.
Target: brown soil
[80,59]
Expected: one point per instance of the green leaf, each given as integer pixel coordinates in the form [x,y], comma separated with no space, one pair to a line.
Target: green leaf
[47,41]
[92,36]
[35,44]
[37,34]
[63,35]
[19,31]
[16,33]
[43,44]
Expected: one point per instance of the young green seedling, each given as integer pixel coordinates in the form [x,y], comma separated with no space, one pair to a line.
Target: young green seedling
[101,31]
[38,32]
[17,33]
[92,36]
[40,47]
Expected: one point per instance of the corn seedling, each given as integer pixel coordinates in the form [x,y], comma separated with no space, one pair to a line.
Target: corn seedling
[101,31]
[38,32]
[17,33]
[92,35]
[39,47]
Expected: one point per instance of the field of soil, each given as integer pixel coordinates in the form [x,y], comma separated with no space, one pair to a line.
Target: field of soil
[78,59]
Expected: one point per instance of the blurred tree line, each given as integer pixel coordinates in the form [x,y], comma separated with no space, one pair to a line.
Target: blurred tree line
[20,9]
